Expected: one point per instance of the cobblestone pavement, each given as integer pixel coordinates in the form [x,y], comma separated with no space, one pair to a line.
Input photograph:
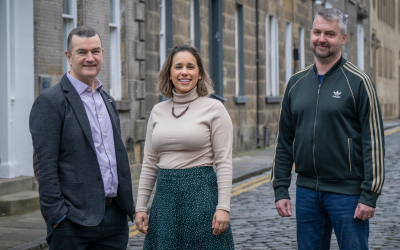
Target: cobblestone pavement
[256,224]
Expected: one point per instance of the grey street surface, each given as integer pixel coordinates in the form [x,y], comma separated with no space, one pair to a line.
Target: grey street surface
[27,232]
[256,224]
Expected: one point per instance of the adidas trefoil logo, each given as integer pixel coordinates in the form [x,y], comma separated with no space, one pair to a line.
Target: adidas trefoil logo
[336,94]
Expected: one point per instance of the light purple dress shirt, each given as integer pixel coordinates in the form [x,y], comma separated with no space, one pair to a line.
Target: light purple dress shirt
[102,132]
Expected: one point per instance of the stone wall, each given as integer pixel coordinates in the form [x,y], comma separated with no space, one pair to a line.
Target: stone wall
[384,50]
[152,49]
[48,46]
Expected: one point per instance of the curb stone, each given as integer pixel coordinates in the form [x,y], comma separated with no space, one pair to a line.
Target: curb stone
[37,244]
[255,172]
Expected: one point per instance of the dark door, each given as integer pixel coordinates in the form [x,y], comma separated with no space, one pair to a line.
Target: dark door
[216,55]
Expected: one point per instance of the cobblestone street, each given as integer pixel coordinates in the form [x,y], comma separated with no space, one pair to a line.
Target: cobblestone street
[257,225]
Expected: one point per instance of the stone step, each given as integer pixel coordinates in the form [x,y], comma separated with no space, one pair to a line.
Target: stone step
[19,203]
[17,184]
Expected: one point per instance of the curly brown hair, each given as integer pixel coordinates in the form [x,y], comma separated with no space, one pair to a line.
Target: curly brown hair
[205,86]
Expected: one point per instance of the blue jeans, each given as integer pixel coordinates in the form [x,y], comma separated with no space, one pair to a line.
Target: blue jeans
[317,212]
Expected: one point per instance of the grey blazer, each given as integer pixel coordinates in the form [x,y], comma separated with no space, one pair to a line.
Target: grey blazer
[70,178]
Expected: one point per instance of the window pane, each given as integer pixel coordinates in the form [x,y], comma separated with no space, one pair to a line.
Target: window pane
[112,11]
[67,7]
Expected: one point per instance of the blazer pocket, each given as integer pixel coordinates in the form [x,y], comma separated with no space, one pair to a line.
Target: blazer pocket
[73,193]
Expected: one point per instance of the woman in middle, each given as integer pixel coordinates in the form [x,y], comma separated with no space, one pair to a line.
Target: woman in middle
[185,135]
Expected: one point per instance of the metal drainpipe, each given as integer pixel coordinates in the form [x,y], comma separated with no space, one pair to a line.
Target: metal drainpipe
[257,76]
[312,14]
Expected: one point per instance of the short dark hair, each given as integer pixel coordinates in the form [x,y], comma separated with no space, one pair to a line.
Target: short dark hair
[81,31]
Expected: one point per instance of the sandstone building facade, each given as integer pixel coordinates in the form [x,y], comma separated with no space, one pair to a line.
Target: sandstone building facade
[385,54]
[120,24]
[249,47]
[34,44]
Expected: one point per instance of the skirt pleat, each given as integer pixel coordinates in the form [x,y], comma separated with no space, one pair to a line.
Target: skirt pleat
[182,212]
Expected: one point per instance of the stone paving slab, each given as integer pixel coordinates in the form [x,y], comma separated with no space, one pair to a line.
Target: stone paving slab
[16,230]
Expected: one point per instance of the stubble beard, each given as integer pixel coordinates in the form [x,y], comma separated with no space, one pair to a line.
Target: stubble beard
[325,57]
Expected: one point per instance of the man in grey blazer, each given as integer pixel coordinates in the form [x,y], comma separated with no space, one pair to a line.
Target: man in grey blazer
[85,181]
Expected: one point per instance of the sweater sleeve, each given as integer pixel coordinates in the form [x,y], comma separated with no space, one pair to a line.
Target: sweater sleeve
[283,158]
[149,173]
[221,140]
[373,143]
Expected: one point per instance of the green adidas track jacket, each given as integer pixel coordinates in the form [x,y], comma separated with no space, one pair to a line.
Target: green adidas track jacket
[332,132]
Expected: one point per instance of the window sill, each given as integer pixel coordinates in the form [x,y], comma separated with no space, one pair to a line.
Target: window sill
[273,99]
[218,97]
[162,98]
[123,105]
[240,99]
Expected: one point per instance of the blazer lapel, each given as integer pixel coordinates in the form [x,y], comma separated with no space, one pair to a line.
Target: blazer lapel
[77,105]
[112,114]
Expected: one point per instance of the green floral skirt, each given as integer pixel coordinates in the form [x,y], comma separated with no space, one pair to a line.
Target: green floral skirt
[182,212]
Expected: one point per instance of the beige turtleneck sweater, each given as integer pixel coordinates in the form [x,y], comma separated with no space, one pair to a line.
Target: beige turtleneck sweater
[199,137]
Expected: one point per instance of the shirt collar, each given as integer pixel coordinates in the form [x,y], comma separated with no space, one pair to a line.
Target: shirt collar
[334,68]
[81,87]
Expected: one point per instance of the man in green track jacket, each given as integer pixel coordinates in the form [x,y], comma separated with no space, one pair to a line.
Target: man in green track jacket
[331,129]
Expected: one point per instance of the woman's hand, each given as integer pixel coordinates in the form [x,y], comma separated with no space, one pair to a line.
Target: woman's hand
[139,219]
[220,221]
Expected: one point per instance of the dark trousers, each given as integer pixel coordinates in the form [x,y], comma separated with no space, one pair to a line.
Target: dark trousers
[111,233]
[318,212]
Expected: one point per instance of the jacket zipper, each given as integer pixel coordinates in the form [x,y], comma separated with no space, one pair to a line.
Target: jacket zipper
[348,142]
[315,123]
[293,146]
